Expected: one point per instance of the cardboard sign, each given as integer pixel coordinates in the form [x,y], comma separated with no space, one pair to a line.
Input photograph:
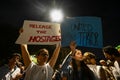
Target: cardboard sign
[44,33]
[86,31]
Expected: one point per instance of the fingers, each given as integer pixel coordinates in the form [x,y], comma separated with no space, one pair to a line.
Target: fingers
[21,30]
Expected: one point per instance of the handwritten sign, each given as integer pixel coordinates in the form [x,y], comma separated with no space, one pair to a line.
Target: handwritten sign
[86,31]
[35,32]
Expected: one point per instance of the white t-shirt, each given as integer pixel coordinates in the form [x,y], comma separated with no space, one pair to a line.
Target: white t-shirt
[96,70]
[117,66]
[36,72]
[6,74]
[116,70]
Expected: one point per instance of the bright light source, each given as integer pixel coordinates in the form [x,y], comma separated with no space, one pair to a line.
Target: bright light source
[56,15]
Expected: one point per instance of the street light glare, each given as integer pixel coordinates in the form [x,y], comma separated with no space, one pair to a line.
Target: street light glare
[56,15]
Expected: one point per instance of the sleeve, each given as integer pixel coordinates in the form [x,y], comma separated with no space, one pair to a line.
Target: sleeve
[30,66]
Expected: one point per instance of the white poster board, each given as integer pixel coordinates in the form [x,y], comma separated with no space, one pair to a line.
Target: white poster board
[36,32]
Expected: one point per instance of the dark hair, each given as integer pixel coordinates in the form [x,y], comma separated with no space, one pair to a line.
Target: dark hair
[14,54]
[41,51]
[88,56]
[111,51]
[86,73]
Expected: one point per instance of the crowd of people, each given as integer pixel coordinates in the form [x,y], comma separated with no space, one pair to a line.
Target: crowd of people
[83,66]
[76,65]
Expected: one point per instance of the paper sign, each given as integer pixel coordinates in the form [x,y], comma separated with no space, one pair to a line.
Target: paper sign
[36,32]
[86,31]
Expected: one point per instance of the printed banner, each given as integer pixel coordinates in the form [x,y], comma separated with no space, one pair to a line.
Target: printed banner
[86,31]
[44,33]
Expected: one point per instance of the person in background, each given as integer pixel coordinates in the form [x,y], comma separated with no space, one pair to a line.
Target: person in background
[21,66]
[65,69]
[22,69]
[43,70]
[113,55]
[10,71]
[57,74]
[108,70]
[74,67]
[80,71]
[90,60]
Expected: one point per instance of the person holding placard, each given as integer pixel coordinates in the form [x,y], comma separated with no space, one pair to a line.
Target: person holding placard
[43,70]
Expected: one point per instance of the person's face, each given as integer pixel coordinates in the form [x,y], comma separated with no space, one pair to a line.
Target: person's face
[17,58]
[78,55]
[43,57]
[93,61]
[108,57]
[14,59]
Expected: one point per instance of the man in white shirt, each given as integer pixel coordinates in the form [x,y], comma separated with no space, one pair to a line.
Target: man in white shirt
[113,55]
[43,70]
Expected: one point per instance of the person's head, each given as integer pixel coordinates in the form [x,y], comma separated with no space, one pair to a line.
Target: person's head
[78,55]
[110,53]
[77,59]
[78,63]
[42,56]
[89,58]
[14,58]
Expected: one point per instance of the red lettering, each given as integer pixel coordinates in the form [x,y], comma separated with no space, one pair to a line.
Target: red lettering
[44,38]
[43,32]
[40,26]
[32,25]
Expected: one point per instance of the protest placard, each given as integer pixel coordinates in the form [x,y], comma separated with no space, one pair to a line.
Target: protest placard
[36,32]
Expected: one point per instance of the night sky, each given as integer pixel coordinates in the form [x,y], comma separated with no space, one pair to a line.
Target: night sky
[14,12]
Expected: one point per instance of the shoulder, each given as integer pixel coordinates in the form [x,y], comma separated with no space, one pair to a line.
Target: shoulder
[31,65]
[116,64]
[99,66]
[49,67]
